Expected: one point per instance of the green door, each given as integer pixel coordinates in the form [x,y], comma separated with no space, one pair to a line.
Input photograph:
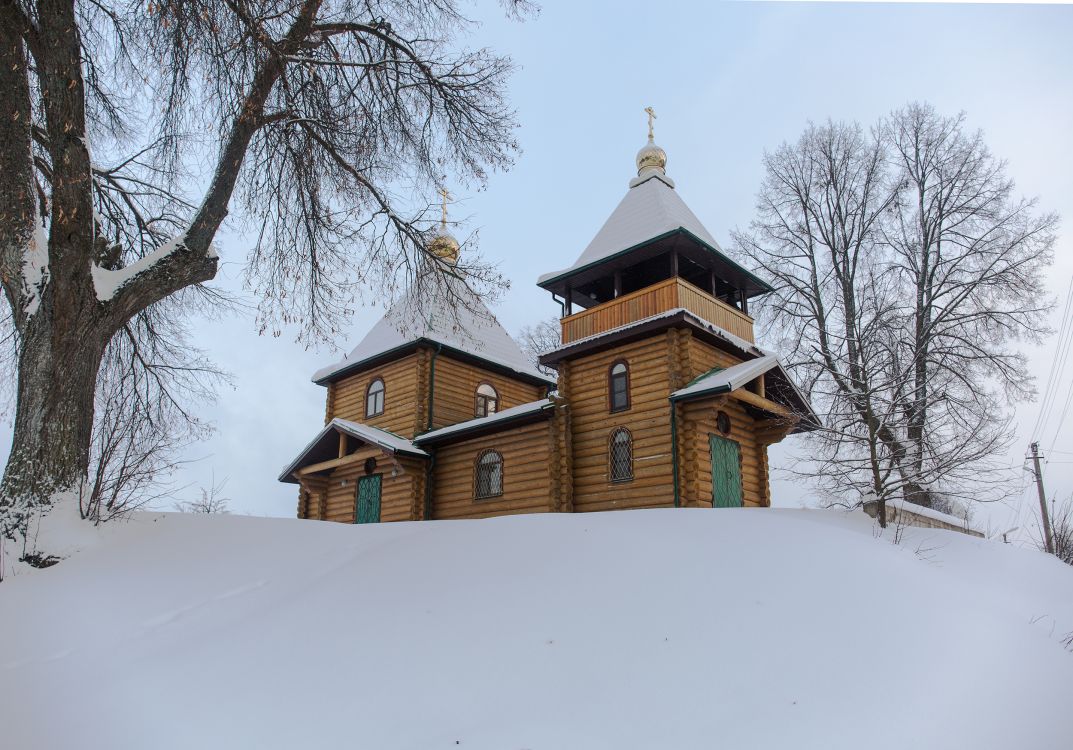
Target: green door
[368,510]
[726,472]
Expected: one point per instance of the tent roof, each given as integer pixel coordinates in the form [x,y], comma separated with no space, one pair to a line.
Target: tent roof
[652,210]
[470,328]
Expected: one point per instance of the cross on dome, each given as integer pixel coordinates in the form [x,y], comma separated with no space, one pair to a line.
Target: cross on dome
[443,246]
[446,196]
[651,159]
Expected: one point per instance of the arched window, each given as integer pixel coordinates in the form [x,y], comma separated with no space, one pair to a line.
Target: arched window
[488,475]
[620,455]
[487,401]
[618,386]
[374,398]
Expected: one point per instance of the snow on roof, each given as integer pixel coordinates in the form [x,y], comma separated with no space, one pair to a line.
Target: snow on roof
[377,436]
[471,328]
[650,208]
[931,513]
[729,379]
[500,416]
[372,435]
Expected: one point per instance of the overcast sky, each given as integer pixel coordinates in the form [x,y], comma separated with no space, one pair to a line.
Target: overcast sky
[727,80]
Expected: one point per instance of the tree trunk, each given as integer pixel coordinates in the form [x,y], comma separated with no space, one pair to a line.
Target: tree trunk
[58,368]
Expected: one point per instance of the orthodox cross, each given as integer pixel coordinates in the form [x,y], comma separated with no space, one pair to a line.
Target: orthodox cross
[445,195]
[651,116]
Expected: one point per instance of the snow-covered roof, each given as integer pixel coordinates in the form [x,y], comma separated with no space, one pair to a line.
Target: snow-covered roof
[935,515]
[651,208]
[313,452]
[470,328]
[506,415]
[724,380]
[377,436]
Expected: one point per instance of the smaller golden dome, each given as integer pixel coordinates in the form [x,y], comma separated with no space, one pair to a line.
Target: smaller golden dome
[444,247]
[651,157]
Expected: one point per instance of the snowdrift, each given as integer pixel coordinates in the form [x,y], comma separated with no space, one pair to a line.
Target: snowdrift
[643,629]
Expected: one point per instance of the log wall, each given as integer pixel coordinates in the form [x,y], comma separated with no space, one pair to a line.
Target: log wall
[648,419]
[401,396]
[455,391]
[527,471]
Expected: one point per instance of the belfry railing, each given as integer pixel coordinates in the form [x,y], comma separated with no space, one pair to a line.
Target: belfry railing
[671,294]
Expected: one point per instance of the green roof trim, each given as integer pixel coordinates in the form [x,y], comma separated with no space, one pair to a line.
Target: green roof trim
[680,230]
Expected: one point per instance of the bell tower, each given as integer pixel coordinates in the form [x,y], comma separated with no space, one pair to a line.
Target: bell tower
[665,392]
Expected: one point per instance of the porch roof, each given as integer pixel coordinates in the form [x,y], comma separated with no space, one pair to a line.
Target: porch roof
[325,446]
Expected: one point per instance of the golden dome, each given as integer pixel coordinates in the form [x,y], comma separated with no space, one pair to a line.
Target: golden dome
[651,157]
[444,247]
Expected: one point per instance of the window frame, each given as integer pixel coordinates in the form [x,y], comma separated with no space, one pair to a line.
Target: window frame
[611,386]
[383,396]
[611,463]
[477,465]
[478,397]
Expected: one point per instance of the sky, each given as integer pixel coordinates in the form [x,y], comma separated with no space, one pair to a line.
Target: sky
[727,80]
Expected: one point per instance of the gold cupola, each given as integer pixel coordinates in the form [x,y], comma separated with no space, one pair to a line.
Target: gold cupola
[443,245]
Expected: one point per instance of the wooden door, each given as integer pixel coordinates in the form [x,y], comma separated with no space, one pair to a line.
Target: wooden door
[726,472]
[368,500]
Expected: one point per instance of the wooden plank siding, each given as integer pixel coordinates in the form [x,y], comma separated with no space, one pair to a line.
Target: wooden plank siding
[454,394]
[527,469]
[401,396]
[667,295]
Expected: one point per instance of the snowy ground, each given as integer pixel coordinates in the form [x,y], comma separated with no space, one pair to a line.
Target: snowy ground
[645,629]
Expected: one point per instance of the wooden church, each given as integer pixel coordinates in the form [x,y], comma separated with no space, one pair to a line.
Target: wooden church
[662,397]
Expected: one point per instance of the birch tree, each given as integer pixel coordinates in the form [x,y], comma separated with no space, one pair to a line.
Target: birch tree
[905,269]
[318,119]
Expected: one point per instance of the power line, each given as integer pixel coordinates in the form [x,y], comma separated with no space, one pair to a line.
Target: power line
[1058,364]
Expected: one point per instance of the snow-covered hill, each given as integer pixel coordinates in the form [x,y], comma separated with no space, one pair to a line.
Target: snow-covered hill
[644,629]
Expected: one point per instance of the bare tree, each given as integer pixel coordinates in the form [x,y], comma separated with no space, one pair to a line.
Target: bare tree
[971,258]
[538,339]
[815,238]
[1061,523]
[149,379]
[903,269]
[320,118]
[211,500]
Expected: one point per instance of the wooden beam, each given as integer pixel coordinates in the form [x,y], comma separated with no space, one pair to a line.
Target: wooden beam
[569,309]
[744,301]
[748,397]
[674,263]
[335,463]
[342,444]
[618,284]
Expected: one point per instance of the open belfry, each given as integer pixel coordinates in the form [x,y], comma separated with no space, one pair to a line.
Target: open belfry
[662,397]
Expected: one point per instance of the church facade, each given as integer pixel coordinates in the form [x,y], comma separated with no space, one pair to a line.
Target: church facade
[661,399]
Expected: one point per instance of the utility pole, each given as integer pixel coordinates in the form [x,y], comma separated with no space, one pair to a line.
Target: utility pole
[1048,539]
